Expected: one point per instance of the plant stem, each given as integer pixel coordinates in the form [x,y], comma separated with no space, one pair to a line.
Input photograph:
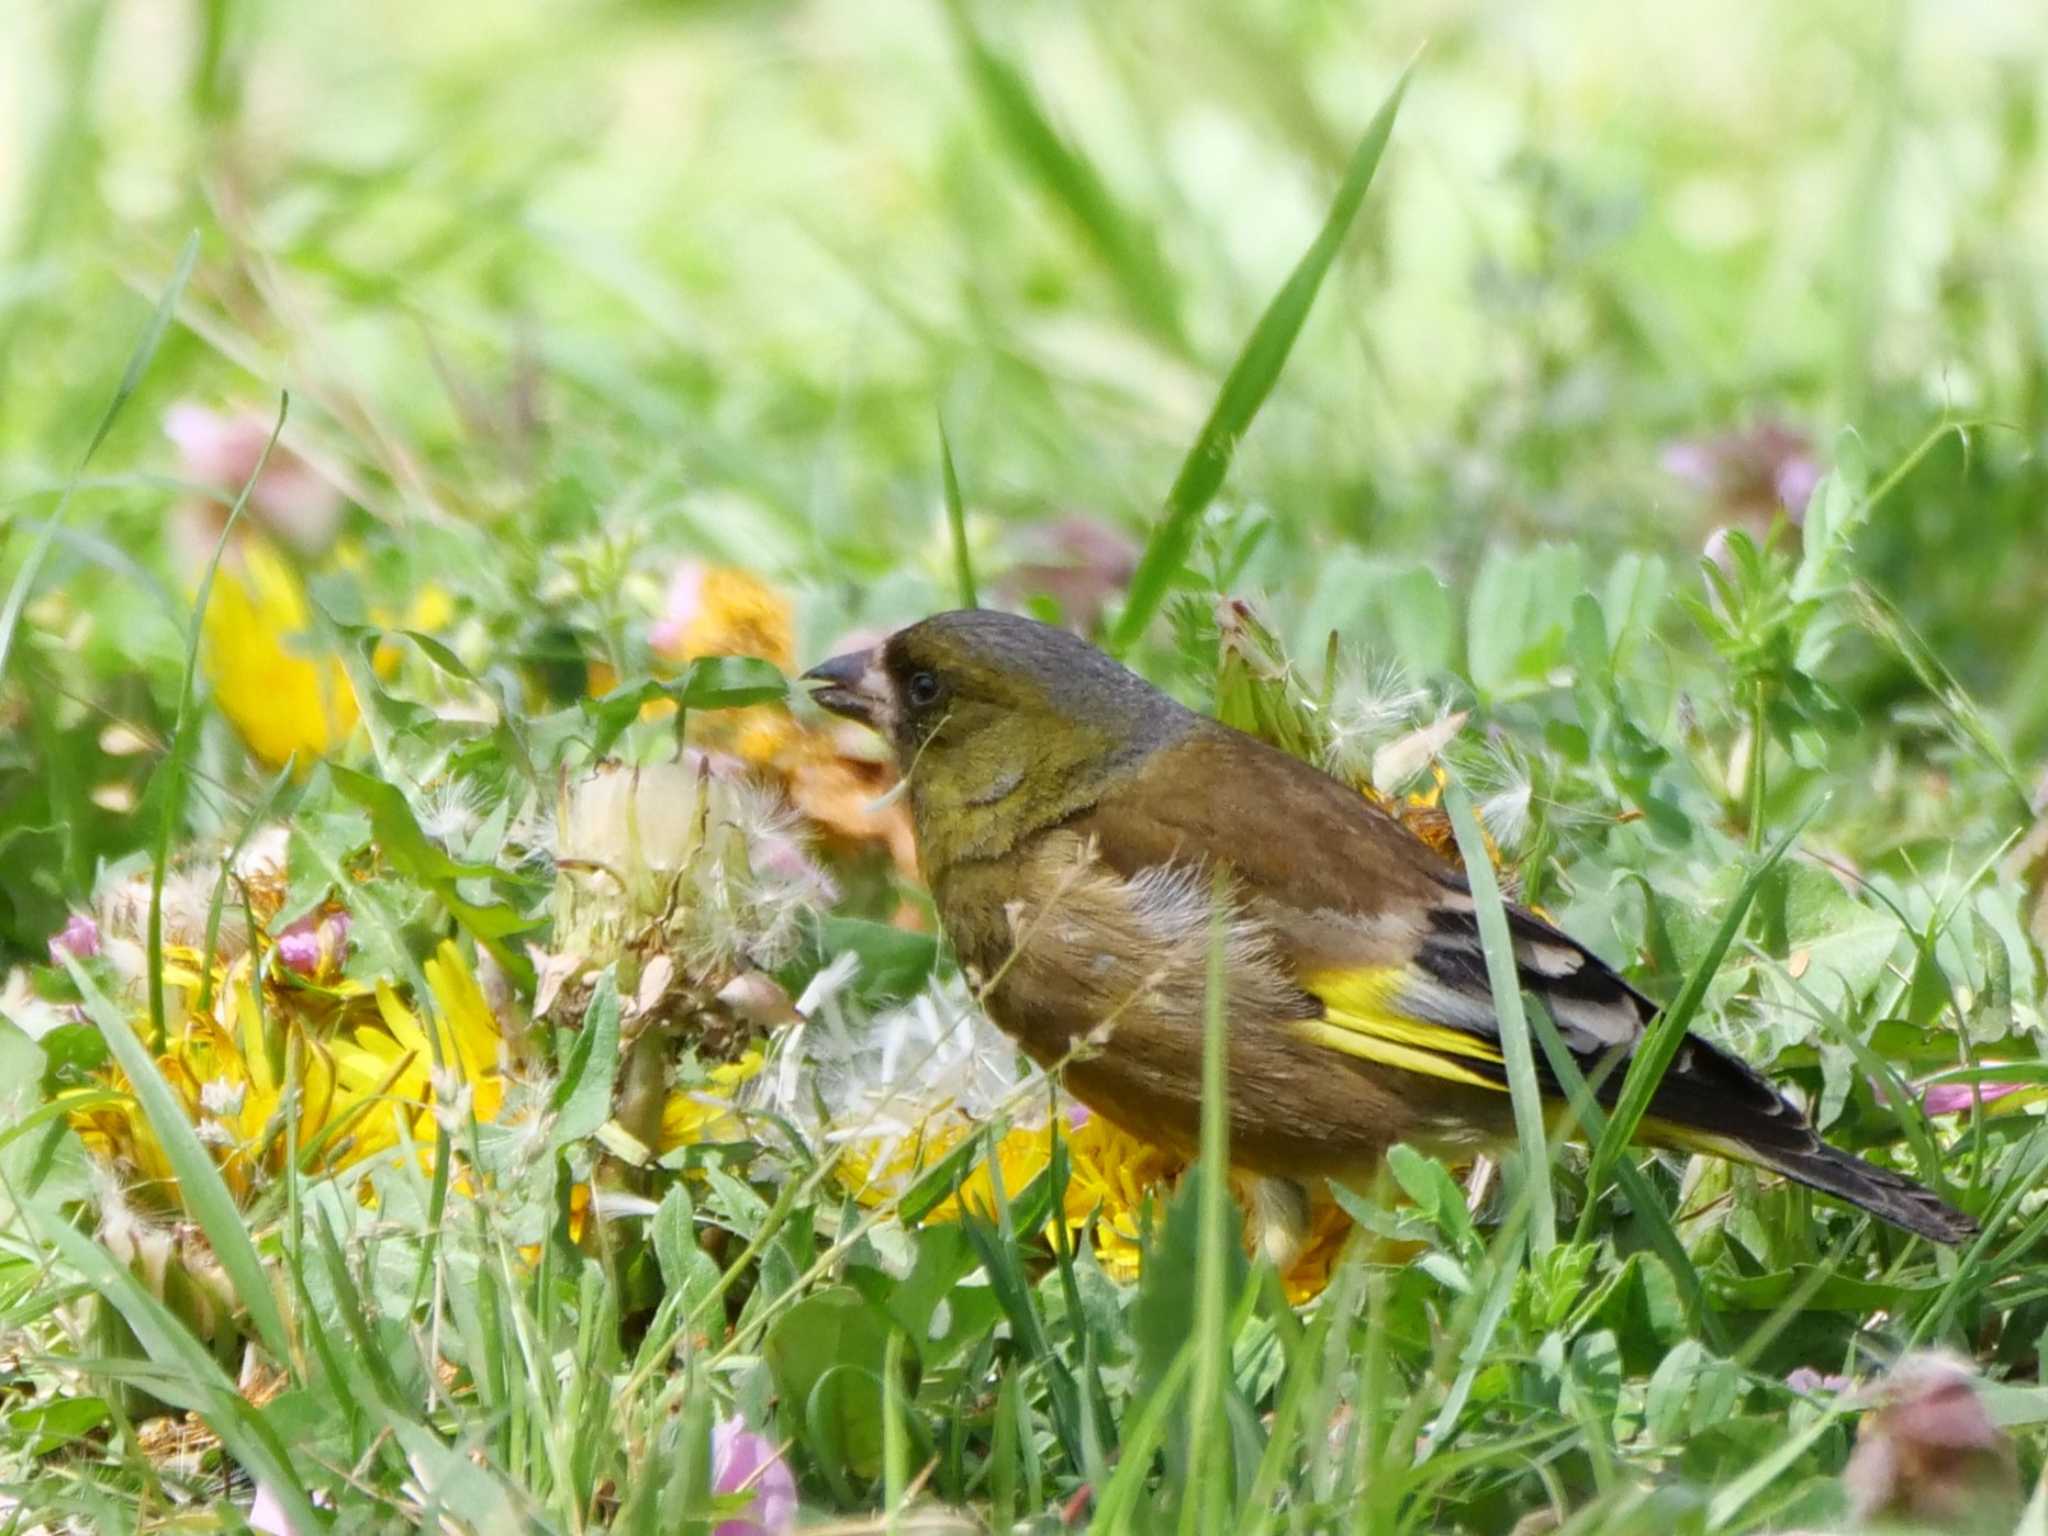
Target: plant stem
[1756,770]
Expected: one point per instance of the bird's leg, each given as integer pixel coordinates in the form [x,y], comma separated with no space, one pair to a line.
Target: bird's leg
[1280,1208]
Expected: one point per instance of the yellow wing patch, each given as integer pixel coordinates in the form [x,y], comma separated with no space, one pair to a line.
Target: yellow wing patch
[1658,1132]
[1363,1017]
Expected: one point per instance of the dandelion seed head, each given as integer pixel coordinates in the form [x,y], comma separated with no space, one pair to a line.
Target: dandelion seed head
[675,857]
[451,811]
[1505,813]
[222,1097]
[454,1099]
[1370,703]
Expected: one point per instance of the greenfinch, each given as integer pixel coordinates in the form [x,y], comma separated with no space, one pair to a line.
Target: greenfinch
[1079,829]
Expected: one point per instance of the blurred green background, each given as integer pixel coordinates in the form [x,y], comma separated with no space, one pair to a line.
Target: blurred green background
[696,279]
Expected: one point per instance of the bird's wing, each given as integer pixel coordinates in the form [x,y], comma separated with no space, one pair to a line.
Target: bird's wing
[1376,927]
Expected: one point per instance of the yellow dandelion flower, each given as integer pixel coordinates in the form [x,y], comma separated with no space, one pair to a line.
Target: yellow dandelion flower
[282,697]
[691,1116]
[1111,1176]
[226,1075]
[718,610]
[231,1070]
[430,611]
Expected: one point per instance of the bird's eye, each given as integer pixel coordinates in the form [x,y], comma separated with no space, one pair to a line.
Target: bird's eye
[922,690]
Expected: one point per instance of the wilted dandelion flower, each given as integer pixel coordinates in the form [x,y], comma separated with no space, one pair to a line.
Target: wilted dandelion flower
[1505,813]
[121,907]
[938,1048]
[823,769]
[451,811]
[1372,709]
[911,1087]
[673,859]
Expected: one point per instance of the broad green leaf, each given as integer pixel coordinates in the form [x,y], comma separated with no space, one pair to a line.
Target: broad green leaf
[399,837]
[582,1100]
[1391,610]
[398,834]
[688,1273]
[834,1340]
[1519,615]
[709,682]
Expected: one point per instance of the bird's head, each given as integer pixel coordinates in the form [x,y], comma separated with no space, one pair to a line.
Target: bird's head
[999,723]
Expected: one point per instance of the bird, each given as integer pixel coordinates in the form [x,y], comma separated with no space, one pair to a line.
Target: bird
[1089,842]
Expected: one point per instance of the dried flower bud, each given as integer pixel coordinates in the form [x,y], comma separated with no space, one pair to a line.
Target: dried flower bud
[744,1462]
[314,946]
[1928,1455]
[79,938]
[221,452]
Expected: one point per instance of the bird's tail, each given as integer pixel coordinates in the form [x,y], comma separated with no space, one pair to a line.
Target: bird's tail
[1886,1195]
[1710,1102]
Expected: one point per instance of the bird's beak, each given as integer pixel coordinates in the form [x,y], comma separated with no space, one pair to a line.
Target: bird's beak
[853,685]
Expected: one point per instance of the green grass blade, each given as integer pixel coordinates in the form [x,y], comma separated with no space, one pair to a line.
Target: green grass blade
[1729,1502]
[205,1192]
[1660,1042]
[242,1428]
[1656,1221]
[1206,1503]
[216,905]
[895,1435]
[1508,1257]
[131,376]
[1142,1437]
[956,521]
[1069,179]
[1284,1442]
[171,780]
[1515,1049]
[1250,380]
